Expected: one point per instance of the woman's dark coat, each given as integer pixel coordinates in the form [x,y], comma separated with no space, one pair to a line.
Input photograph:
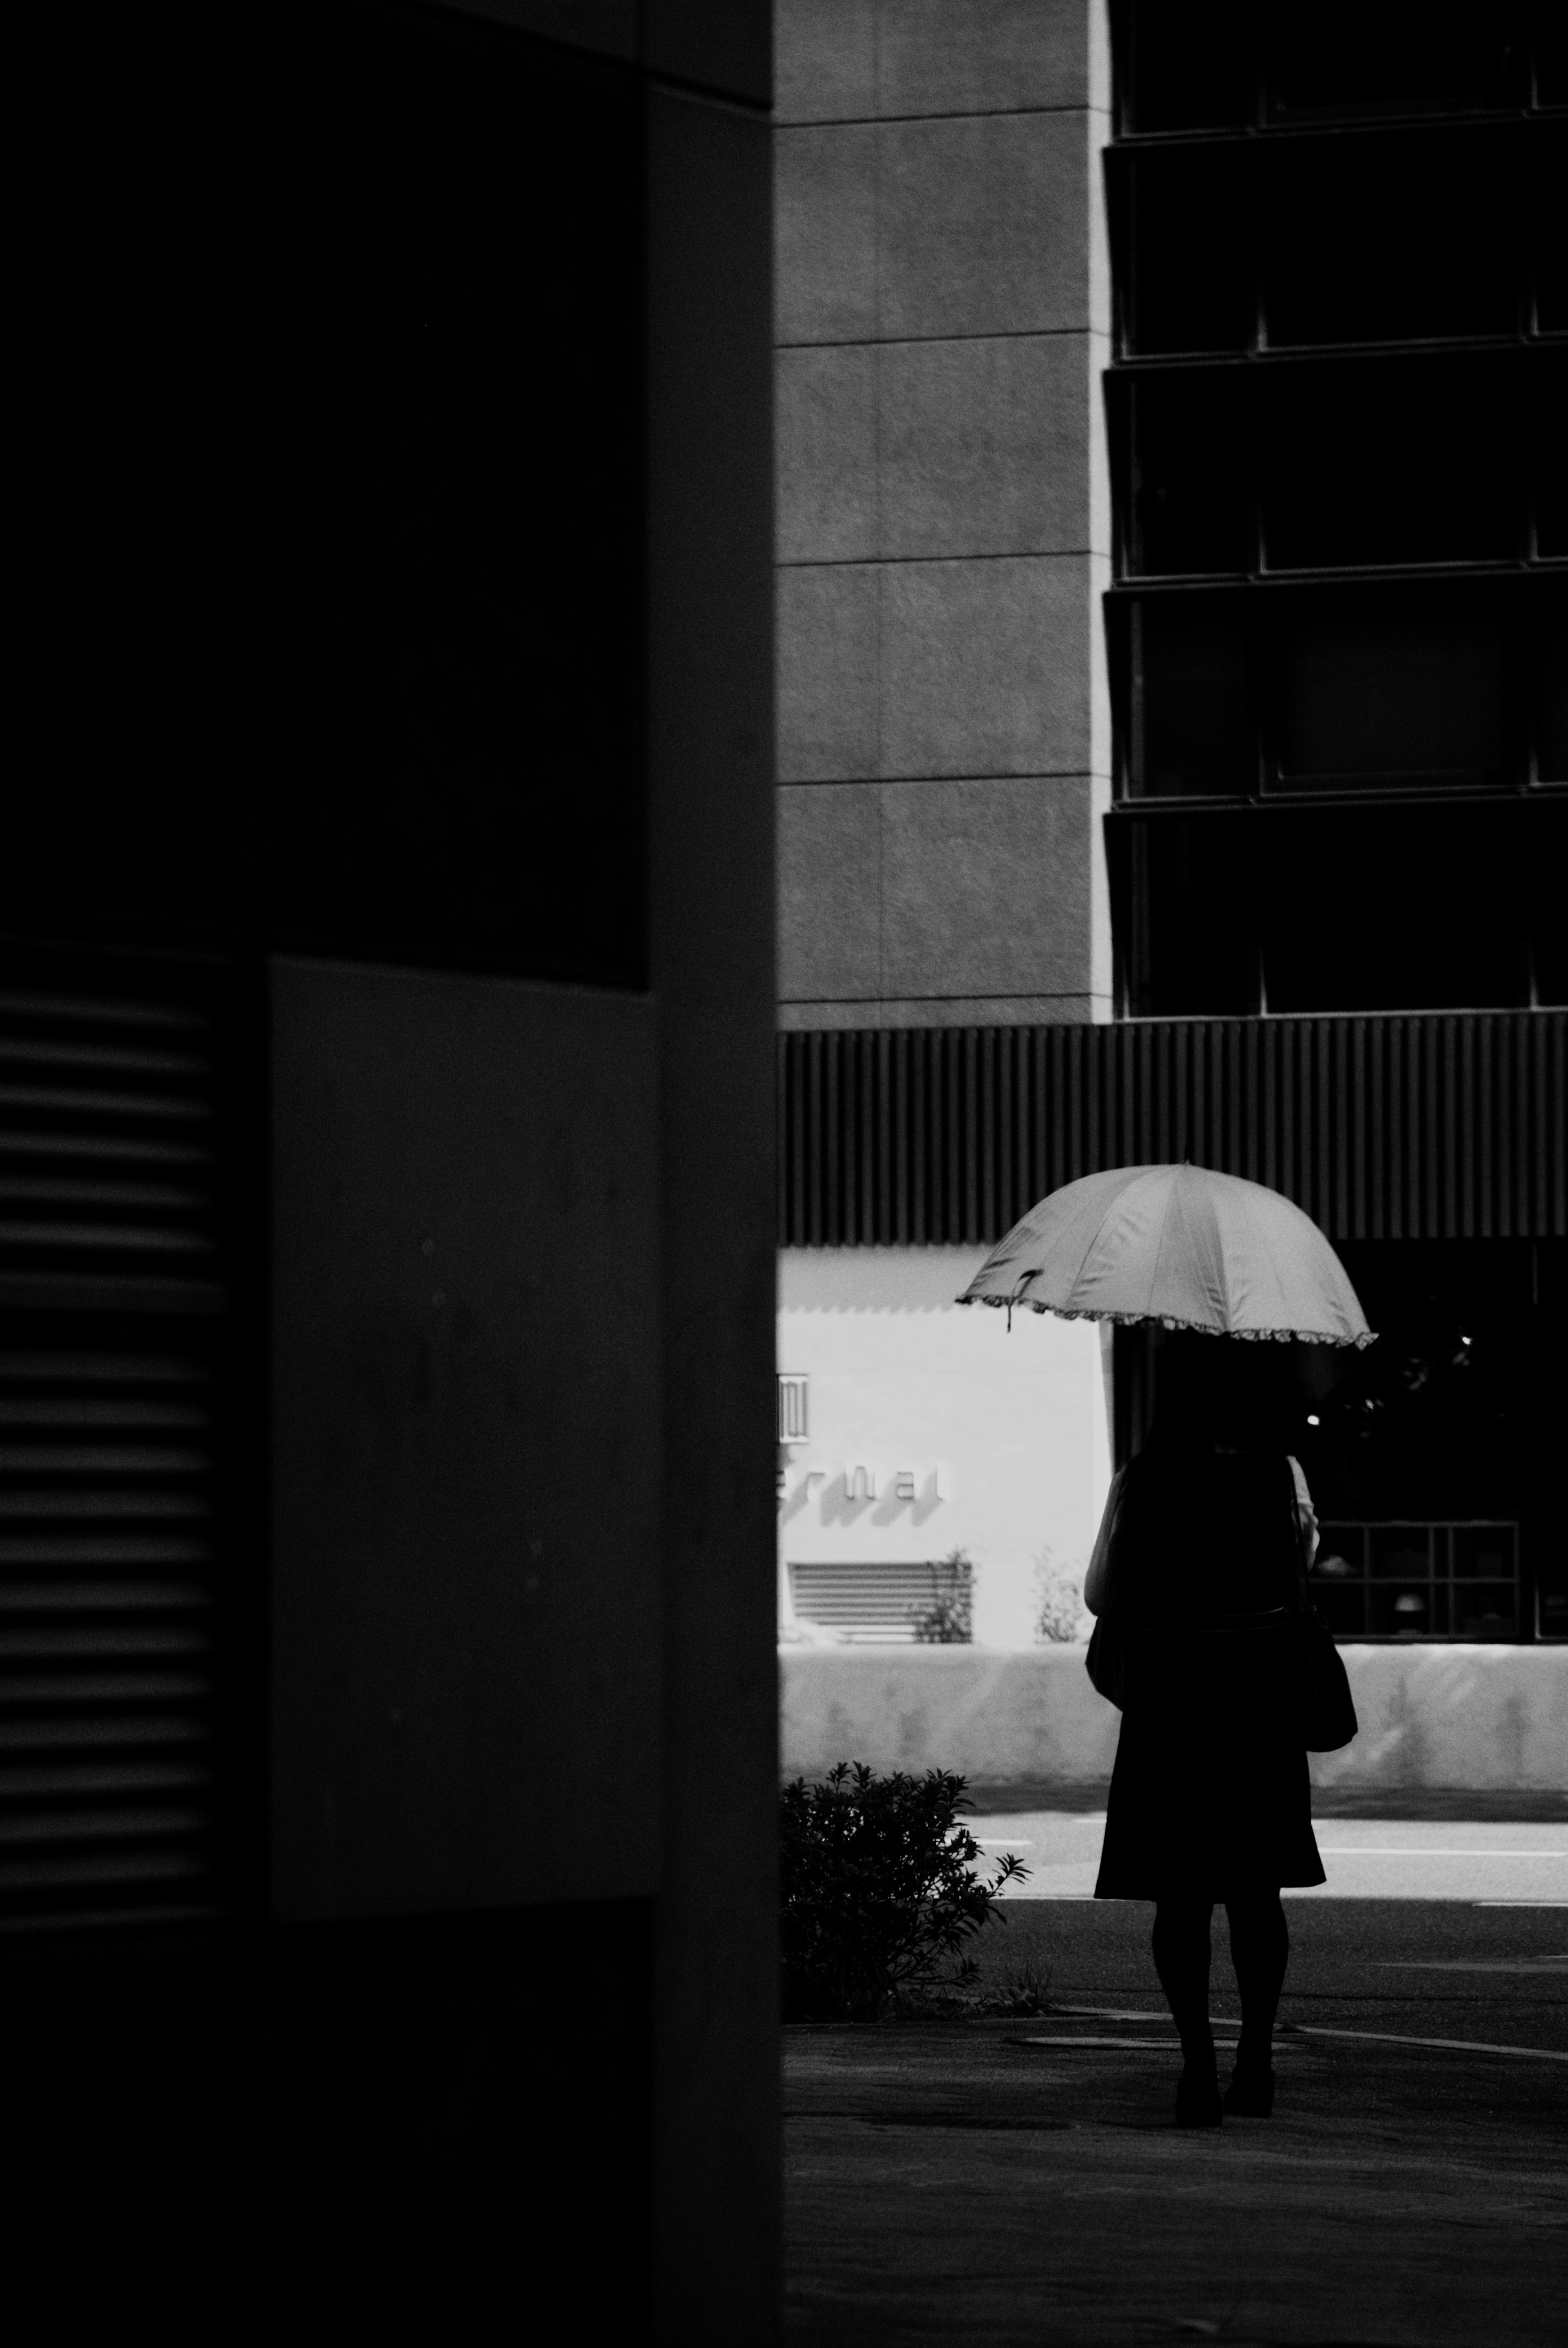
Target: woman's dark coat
[1210,1798]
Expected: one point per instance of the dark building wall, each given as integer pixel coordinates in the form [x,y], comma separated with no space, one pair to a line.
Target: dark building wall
[466,1442]
[710,747]
[334,495]
[399,638]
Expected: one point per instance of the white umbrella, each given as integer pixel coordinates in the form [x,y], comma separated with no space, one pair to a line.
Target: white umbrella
[1177,1245]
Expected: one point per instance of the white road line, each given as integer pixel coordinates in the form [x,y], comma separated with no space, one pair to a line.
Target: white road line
[1140,2045]
[1472,1965]
[1393,2038]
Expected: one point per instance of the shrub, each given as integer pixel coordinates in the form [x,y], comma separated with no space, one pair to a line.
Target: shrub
[1060,1614]
[949,1620]
[878,1891]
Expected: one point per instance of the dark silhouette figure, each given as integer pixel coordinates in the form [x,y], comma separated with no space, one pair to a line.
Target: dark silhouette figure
[1198,1573]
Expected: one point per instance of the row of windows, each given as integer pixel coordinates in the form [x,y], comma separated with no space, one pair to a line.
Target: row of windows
[1241,694]
[1341,909]
[1230,64]
[1329,464]
[1389,235]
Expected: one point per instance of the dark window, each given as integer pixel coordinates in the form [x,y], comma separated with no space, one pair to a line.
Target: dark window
[1392,693]
[1192,951]
[1550,48]
[1406,463]
[1188,282]
[1193,726]
[1552,706]
[1188,457]
[1549,205]
[1326,59]
[1185,68]
[1390,237]
[1545,867]
[1365,912]
[1550,422]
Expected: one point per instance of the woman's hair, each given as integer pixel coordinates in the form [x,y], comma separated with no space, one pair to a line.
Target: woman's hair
[1221,1390]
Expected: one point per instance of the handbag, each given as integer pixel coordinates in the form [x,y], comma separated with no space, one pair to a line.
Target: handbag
[1324,1707]
[1106,1661]
[1327,1707]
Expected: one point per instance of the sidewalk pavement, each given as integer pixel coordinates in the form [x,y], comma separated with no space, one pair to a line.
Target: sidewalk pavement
[1022,2182]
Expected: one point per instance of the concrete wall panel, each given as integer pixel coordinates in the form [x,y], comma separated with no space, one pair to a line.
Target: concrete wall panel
[829,684]
[983,225]
[986,668]
[826,484]
[1029,1717]
[848,60]
[830,891]
[1472,1719]
[824,60]
[977,876]
[825,228]
[983,447]
[1002,55]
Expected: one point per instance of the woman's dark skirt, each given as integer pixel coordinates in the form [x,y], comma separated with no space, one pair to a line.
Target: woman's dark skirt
[1211,1810]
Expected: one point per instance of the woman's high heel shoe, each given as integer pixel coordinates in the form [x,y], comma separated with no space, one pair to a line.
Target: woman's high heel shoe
[1250,2095]
[1198,2100]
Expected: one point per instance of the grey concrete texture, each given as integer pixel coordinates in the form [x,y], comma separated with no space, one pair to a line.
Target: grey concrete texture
[971,892]
[810,1013]
[968,224]
[955,2183]
[830,891]
[902,450]
[902,671]
[985,666]
[848,60]
[828,628]
[985,887]
[1490,1718]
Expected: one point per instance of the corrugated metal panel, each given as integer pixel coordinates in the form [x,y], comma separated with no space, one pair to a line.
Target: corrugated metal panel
[1422,1127]
[113,1311]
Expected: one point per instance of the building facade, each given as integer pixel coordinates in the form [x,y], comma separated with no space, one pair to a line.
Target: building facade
[1314,459]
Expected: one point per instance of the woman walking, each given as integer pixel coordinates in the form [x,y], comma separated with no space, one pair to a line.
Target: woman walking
[1199,1579]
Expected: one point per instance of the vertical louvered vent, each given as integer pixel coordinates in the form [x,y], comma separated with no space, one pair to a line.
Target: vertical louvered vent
[112,1313]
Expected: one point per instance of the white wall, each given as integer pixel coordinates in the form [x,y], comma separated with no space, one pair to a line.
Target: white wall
[1003,1434]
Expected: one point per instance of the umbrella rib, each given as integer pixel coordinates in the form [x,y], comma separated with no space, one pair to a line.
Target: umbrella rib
[1093,1242]
[1159,1249]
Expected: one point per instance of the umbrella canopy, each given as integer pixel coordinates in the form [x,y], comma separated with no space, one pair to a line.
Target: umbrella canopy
[1179,1245]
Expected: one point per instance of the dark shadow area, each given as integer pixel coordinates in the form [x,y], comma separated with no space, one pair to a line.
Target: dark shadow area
[387,2128]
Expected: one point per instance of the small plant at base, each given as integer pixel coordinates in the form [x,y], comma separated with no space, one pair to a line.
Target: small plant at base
[878,1891]
[1024,1999]
[949,1620]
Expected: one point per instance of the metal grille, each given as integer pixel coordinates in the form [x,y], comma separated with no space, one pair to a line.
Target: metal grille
[1400,1579]
[1440,1126]
[112,1312]
[867,1600]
